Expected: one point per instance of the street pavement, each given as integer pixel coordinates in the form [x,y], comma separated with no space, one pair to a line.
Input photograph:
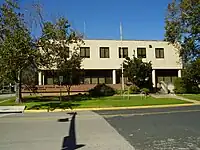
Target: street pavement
[176,128]
[158,129]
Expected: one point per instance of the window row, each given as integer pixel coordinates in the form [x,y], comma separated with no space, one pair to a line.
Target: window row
[123,52]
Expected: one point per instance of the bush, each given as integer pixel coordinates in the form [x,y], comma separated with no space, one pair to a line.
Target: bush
[133,89]
[101,90]
[179,86]
[145,91]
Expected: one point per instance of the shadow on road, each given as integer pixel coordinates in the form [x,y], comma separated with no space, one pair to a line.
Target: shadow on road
[69,142]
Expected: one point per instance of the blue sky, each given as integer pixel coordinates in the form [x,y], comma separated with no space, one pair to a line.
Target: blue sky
[141,19]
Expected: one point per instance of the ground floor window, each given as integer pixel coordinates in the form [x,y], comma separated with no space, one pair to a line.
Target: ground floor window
[167,79]
[97,80]
[167,75]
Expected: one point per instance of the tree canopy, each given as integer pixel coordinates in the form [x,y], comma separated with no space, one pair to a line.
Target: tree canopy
[59,44]
[17,50]
[183,26]
[138,72]
[21,55]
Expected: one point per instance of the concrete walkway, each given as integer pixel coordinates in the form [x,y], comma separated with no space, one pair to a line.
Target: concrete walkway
[6,97]
[84,131]
[97,134]
[12,109]
[174,96]
[2,96]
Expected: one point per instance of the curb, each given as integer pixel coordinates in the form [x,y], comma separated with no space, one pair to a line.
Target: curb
[113,108]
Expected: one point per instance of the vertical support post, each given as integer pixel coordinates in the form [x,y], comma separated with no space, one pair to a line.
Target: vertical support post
[154,78]
[179,73]
[114,76]
[39,78]
[43,79]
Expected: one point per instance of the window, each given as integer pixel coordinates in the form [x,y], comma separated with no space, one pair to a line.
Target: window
[67,52]
[85,52]
[104,52]
[159,52]
[123,52]
[141,52]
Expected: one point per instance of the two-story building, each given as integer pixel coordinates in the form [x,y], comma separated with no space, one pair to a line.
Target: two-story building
[103,58]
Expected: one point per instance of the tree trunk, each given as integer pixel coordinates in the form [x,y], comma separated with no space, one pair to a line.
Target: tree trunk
[68,90]
[18,89]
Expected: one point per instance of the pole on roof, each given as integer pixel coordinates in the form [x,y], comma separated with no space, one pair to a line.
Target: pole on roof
[84,26]
[121,38]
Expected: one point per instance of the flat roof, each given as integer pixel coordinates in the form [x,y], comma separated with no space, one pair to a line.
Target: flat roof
[125,40]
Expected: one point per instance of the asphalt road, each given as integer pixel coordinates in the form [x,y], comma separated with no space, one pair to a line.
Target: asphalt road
[158,129]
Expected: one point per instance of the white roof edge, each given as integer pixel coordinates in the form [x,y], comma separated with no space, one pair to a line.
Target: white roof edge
[124,40]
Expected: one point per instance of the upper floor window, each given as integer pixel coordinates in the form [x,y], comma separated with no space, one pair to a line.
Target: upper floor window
[104,52]
[141,52]
[85,52]
[123,52]
[67,52]
[159,52]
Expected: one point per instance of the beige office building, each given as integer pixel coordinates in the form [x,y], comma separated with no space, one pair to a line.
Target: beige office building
[103,58]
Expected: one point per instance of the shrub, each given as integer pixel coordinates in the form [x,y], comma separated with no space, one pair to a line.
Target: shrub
[145,91]
[101,90]
[118,92]
[179,86]
[133,89]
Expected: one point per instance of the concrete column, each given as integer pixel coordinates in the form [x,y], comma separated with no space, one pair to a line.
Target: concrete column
[154,78]
[40,78]
[114,76]
[179,73]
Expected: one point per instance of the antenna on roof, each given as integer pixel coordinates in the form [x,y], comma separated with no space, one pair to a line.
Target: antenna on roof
[84,26]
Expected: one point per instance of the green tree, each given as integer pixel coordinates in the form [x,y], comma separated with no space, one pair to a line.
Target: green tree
[55,44]
[17,50]
[183,31]
[139,73]
[182,25]
[191,76]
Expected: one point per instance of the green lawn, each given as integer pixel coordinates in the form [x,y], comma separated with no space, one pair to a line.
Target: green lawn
[114,101]
[191,96]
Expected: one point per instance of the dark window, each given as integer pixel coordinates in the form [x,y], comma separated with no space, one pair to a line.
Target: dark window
[159,52]
[85,52]
[123,52]
[67,52]
[104,52]
[141,52]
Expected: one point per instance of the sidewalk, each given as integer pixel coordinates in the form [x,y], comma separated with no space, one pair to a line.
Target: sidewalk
[95,133]
[174,96]
[2,96]
[12,109]
[60,131]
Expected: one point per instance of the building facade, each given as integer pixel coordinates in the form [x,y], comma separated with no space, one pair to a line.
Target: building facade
[103,58]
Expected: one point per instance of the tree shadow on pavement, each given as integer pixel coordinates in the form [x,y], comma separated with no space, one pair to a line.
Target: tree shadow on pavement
[69,142]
